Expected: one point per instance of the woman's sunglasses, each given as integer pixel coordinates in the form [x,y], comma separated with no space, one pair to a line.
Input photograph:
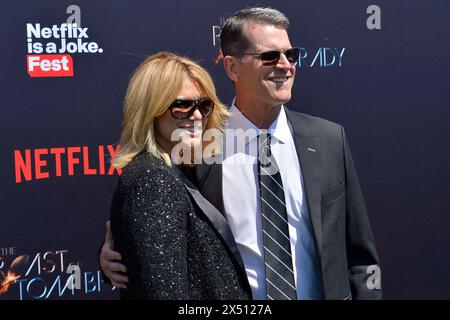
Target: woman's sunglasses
[271,58]
[184,109]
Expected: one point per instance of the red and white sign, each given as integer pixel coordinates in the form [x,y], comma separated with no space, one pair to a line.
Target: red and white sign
[49,65]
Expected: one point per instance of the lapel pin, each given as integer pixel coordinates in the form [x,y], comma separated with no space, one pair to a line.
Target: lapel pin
[311,149]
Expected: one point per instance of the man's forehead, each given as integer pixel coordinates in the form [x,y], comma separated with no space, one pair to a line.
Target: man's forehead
[253,31]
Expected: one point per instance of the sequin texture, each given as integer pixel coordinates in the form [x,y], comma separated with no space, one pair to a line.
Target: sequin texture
[170,248]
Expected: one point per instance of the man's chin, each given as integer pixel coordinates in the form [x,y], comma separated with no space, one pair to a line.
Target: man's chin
[282,100]
[281,96]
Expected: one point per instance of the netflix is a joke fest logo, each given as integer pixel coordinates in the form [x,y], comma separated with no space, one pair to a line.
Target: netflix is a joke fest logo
[50,48]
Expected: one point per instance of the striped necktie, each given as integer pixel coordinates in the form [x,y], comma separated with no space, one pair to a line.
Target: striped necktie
[277,247]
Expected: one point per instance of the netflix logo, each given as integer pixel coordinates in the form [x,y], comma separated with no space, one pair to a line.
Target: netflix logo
[45,163]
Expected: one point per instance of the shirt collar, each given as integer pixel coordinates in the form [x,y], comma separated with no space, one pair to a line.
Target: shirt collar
[279,129]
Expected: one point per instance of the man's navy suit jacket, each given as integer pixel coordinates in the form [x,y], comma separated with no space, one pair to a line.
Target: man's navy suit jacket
[347,257]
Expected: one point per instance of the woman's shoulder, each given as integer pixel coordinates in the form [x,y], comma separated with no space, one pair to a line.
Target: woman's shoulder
[148,167]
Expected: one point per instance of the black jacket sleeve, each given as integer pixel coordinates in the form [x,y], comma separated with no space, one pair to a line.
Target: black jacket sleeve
[149,224]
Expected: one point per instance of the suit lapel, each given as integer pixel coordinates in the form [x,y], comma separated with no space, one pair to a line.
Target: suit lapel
[210,182]
[309,155]
[308,152]
[209,179]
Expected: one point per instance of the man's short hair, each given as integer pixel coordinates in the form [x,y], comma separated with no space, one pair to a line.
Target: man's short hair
[232,40]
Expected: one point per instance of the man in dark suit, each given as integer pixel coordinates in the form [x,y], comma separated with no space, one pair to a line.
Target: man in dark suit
[302,229]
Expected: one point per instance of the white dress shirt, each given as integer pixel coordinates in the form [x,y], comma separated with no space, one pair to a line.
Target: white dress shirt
[242,203]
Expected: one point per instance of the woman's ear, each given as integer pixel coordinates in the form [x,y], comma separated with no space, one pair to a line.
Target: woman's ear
[231,65]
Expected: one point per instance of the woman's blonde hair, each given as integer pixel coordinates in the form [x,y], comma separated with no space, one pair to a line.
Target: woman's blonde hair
[153,87]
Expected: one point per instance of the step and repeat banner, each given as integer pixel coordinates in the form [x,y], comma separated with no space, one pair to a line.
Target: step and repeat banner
[380,68]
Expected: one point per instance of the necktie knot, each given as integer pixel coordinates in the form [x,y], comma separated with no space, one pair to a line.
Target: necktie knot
[266,160]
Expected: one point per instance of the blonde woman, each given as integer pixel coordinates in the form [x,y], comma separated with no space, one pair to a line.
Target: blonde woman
[170,238]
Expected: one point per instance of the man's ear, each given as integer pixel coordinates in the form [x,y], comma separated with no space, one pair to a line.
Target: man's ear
[231,67]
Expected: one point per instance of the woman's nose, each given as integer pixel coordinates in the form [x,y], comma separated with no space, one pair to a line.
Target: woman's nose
[196,115]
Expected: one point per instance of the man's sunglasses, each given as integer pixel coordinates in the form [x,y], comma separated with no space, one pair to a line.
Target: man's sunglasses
[271,58]
[184,109]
